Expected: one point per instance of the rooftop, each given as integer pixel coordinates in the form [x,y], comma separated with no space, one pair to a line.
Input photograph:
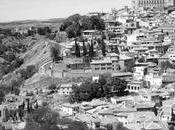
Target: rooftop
[89,31]
[104,61]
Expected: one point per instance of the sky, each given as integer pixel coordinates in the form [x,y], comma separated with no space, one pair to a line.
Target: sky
[12,10]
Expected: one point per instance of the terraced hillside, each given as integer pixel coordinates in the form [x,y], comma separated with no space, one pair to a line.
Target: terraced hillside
[39,53]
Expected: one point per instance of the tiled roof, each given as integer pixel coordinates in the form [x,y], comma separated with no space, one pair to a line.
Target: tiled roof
[153,126]
[87,118]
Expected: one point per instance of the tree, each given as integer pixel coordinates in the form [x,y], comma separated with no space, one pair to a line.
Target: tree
[75,24]
[69,21]
[106,87]
[10,57]
[165,65]
[111,35]
[109,127]
[77,49]
[91,50]
[130,66]
[15,86]
[55,53]
[73,30]
[52,88]
[28,72]
[118,86]
[103,48]
[85,23]
[142,59]
[97,23]
[45,119]
[60,37]
[44,31]
[2,95]
[42,119]
[84,49]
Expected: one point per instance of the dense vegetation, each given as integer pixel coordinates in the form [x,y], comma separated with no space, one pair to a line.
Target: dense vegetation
[106,87]
[45,119]
[55,53]
[75,24]
[13,86]
[9,51]
[164,65]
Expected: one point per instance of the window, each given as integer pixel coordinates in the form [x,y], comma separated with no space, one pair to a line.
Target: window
[103,68]
[128,87]
[97,68]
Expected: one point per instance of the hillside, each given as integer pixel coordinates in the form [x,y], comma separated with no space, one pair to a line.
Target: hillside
[39,53]
[36,23]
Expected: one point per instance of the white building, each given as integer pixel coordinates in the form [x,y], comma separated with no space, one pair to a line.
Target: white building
[65,89]
[134,86]
[139,72]
[91,34]
[153,80]
[69,109]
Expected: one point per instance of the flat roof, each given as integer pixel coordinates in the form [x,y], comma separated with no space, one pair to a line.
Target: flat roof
[90,30]
[106,60]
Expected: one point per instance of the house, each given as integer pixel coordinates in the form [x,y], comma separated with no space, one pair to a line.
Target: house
[75,63]
[125,61]
[111,23]
[153,53]
[95,78]
[105,65]
[91,34]
[134,86]
[171,56]
[118,100]
[69,109]
[65,89]
[139,72]
[92,122]
[168,76]
[144,106]
[166,113]
[131,26]
[139,120]
[167,28]
[153,79]
[152,3]
[167,110]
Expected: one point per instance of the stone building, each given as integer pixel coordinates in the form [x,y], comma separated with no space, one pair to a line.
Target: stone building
[152,3]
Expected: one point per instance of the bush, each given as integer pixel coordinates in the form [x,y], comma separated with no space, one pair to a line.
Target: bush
[106,87]
[28,72]
[45,119]
[75,24]
[55,53]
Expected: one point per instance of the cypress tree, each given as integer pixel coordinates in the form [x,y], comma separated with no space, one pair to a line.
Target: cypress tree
[103,48]
[84,49]
[91,50]
[77,49]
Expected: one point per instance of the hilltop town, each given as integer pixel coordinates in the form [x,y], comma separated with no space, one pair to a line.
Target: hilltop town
[100,71]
